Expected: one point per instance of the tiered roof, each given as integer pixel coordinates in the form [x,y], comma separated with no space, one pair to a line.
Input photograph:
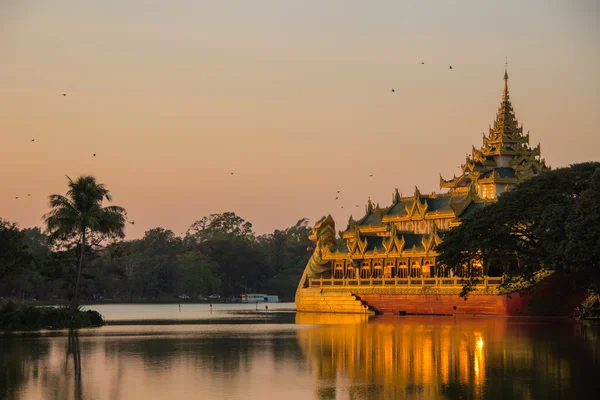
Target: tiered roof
[505,138]
[504,158]
[416,207]
[376,233]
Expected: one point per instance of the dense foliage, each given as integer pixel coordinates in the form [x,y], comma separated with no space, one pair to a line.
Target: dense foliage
[550,222]
[220,254]
[28,317]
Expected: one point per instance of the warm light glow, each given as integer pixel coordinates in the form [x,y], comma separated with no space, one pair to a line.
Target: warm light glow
[393,354]
[294,99]
[488,192]
[480,344]
[479,361]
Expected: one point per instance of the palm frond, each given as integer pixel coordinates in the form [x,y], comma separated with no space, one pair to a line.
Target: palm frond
[62,218]
[113,221]
[86,192]
[81,208]
[57,200]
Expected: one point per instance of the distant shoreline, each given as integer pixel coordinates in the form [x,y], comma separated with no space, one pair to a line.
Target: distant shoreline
[176,301]
[158,301]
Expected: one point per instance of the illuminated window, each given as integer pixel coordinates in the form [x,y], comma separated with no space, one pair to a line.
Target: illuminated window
[487,191]
[402,270]
[415,270]
[427,269]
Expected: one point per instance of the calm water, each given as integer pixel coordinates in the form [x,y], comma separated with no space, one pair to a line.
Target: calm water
[188,312]
[237,353]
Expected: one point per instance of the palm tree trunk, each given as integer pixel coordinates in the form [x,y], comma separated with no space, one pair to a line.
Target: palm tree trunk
[75,300]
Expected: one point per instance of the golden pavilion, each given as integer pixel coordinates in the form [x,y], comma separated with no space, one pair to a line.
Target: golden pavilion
[396,245]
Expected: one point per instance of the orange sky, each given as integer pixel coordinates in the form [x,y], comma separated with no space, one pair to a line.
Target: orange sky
[293,97]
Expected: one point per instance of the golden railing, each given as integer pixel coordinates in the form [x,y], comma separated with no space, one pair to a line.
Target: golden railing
[484,281]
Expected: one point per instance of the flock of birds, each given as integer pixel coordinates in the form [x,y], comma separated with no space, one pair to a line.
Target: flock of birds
[33,140]
[338,192]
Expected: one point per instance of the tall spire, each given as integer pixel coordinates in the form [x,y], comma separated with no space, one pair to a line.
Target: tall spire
[504,147]
[505,123]
[505,91]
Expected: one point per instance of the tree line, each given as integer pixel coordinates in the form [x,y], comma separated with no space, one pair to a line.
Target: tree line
[549,223]
[82,252]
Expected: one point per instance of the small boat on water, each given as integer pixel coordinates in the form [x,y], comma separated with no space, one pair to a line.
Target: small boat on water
[259,298]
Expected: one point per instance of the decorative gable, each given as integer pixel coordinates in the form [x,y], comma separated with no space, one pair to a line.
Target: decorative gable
[393,243]
[417,207]
[356,245]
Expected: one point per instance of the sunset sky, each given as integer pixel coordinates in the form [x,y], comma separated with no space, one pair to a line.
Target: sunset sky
[293,97]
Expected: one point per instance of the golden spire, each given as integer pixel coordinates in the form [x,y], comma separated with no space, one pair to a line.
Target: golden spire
[505,91]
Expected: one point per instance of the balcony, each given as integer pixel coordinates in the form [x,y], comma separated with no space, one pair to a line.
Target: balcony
[456,282]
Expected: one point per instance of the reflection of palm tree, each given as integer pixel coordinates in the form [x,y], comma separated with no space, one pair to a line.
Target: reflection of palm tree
[80,213]
[73,348]
[116,388]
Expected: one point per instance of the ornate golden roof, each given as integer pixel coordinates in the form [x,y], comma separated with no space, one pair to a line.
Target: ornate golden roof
[412,225]
[504,138]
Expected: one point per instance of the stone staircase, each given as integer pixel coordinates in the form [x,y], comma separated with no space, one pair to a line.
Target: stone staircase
[321,300]
[373,310]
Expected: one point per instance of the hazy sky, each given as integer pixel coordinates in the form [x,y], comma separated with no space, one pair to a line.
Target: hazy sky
[292,96]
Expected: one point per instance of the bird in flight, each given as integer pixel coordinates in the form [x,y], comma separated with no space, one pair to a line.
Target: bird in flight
[94,154]
[393,90]
[450,67]
[33,140]
[342,206]
[232,173]
[422,63]
[338,191]
[28,194]
[132,222]
[64,94]
[336,197]
[371,175]
[17,197]
[357,205]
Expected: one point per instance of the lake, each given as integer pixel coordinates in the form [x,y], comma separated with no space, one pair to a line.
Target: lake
[237,352]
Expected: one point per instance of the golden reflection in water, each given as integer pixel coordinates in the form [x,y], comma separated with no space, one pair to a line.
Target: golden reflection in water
[433,357]
[323,356]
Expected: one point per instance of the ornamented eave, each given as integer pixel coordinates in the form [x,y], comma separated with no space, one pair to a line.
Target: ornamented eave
[498,180]
[452,183]
[459,205]
[380,255]
[529,165]
[430,215]
[430,241]
[505,138]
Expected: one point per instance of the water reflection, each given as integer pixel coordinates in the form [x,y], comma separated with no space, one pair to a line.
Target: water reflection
[439,357]
[216,361]
[321,356]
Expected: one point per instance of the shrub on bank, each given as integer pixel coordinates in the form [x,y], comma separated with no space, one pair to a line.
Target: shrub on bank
[27,317]
[517,283]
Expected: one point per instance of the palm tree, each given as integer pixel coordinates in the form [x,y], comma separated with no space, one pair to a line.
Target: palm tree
[79,215]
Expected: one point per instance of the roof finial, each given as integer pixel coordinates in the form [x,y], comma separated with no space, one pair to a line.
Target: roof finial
[505,91]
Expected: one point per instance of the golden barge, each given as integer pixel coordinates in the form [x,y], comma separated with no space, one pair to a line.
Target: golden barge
[387,263]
